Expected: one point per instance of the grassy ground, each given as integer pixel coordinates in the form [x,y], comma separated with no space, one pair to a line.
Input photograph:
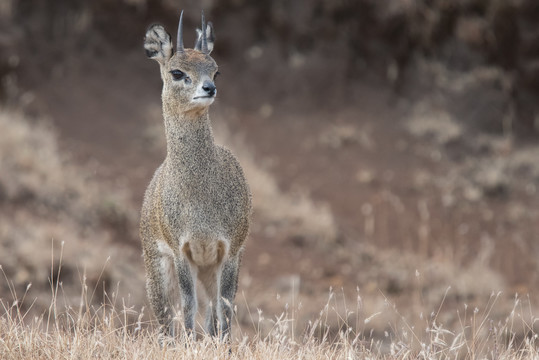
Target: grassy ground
[116,330]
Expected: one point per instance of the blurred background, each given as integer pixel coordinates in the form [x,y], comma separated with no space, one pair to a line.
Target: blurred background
[391,147]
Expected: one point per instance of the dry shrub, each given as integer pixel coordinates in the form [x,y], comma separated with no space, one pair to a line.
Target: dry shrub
[479,133]
[33,169]
[291,214]
[340,135]
[436,123]
[525,160]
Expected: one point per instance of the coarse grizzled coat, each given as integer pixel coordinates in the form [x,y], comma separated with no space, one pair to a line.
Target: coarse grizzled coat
[196,210]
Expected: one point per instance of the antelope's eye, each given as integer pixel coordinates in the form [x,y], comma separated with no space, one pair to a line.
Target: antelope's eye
[177,74]
[216,74]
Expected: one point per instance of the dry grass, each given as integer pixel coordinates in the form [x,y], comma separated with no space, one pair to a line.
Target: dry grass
[116,330]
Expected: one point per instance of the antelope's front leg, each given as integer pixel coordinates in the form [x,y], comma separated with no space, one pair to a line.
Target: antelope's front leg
[160,286]
[187,277]
[229,285]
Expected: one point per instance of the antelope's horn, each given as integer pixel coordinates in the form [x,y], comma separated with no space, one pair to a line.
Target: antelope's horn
[204,46]
[179,40]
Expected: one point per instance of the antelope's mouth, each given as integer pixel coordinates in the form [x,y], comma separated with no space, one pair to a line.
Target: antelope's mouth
[203,100]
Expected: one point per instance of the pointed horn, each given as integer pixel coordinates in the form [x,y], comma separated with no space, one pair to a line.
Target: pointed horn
[179,41]
[204,46]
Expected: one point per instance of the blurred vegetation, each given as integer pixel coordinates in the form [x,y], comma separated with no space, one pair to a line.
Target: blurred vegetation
[461,206]
[330,44]
[46,201]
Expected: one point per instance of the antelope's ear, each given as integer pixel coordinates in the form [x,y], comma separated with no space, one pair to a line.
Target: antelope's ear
[210,36]
[158,44]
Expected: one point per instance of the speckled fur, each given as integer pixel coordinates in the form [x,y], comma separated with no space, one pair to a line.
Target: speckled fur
[196,210]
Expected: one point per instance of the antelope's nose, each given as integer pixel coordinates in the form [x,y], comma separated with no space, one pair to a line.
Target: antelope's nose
[209,88]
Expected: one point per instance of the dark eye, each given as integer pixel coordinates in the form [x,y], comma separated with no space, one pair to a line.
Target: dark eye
[216,74]
[177,74]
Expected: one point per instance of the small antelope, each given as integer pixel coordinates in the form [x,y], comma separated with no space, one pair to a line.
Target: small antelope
[196,210]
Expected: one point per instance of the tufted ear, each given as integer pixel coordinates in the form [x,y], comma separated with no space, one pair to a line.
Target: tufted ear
[210,36]
[158,44]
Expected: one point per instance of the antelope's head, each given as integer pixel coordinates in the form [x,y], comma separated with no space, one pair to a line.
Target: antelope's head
[188,74]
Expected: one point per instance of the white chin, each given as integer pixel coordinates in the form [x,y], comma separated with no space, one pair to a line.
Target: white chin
[203,102]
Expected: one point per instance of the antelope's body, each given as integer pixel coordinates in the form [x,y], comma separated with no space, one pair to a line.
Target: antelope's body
[196,210]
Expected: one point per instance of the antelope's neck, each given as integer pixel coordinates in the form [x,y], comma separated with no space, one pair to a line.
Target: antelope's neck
[190,144]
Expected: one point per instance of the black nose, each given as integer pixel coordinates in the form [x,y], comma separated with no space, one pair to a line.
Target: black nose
[209,87]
